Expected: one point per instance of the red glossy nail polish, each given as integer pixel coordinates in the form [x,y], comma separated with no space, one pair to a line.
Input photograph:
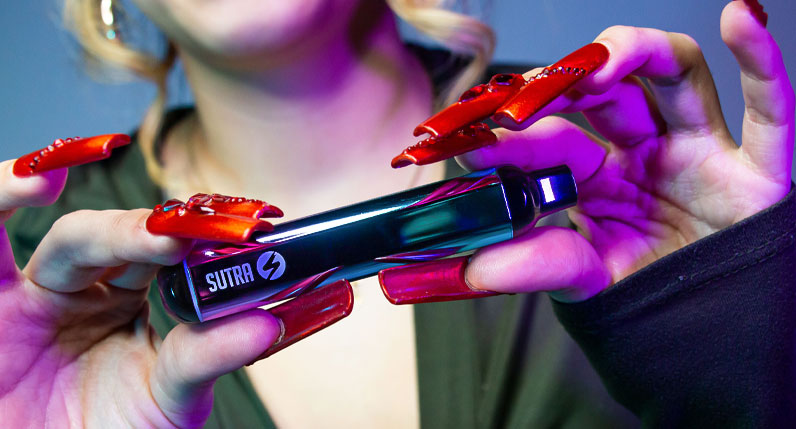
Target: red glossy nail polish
[433,281]
[233,206]
[299,288]
[434,149]
[212,217]
[474,105]
[551,83]
[311,312]
[68,153]
[757,10]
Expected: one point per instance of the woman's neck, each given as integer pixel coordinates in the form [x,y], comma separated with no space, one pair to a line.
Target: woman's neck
[314,132]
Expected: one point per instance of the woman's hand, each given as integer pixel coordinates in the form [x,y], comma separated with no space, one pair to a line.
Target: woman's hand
[667,172]
[76,347]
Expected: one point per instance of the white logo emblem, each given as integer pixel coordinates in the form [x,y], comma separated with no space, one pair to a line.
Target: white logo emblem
[271,265]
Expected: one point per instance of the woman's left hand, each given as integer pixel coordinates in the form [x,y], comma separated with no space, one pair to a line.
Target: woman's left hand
[667,172]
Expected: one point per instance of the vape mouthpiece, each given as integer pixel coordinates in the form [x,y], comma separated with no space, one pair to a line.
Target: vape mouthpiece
[557,189]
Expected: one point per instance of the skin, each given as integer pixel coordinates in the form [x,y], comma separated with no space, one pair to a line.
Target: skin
[75,316]
[253,118]
[667,171]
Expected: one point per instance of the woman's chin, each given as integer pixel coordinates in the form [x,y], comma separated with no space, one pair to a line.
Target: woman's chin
[230,33]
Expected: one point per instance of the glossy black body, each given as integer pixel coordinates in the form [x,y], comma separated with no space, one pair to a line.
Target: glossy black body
[424,223]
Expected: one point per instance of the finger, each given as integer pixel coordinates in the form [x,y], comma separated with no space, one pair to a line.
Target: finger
[82,246]
[549,142]
[311,312]
[212,217]
[554,81]
[677,72]
[768,126]
[627,114]
[8,268]
[192,357]
[48,167]
[33,191]
[69,153]
[553,259]
[16,192]
[686,98]
[129,276]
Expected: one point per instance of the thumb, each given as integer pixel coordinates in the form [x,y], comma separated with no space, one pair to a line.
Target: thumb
[553,259]
[192,357]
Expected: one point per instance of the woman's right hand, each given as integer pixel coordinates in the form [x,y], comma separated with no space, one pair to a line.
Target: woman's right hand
[664,172]
[76,346]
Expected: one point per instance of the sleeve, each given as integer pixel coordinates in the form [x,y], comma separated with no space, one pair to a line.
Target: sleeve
[706,335]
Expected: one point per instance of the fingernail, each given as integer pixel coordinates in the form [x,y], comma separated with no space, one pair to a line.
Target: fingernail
[757,10]
[550,83]
[434,281]
[212,217]
[68,153]
[233,206]
[435,149]
[474,105]
[302,286]
[309,313]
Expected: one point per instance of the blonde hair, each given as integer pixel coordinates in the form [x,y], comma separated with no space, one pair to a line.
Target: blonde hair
[458,32]
[84,18]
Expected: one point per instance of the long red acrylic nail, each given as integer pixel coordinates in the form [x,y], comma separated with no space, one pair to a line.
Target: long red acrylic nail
[551,83]
[212,217]
[757,10]
[311,312]
[433,281]
[475,105]
[233,206]
[434,149]
[68,153]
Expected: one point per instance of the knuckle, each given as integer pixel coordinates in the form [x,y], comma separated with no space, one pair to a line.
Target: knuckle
[618,32]
[118,228]
[177,365]
[119,221]
[624,35]
[67,232]
[553,122]
[73,220]
[161,249]
[686,47]
[141,244]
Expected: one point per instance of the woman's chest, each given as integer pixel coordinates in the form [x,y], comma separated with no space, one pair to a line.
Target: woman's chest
[360,372]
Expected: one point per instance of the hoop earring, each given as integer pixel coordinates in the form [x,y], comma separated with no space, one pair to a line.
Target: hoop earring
[109,19]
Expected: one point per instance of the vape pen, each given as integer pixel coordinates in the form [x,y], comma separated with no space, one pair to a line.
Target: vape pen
[424,223]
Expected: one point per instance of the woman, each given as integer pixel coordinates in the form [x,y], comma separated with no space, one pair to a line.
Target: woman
[302,77]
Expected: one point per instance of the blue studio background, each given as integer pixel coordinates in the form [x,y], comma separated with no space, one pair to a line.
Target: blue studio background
[47,94]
